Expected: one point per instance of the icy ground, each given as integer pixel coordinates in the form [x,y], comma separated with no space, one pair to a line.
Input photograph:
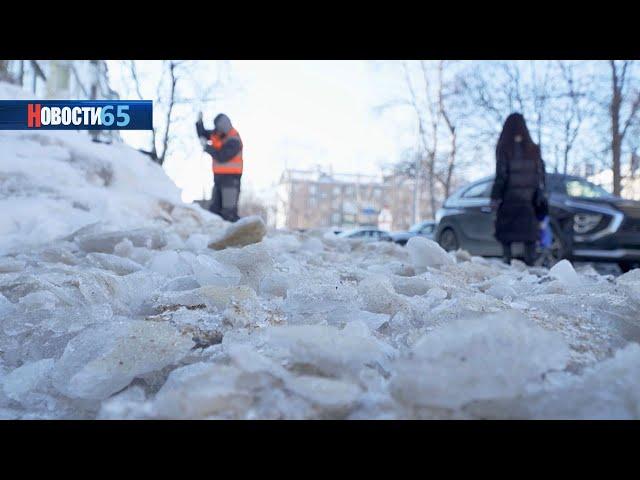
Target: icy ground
[112,305]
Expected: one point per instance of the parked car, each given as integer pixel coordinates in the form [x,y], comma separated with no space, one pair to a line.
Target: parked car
[588,223]
[367,234]
[421,229]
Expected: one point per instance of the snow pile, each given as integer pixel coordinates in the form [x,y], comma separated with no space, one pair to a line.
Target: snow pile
[54,182]
[119,301]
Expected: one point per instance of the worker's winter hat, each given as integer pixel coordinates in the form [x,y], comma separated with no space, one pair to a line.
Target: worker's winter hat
[222,123]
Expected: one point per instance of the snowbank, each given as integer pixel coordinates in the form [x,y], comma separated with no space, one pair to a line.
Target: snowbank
[119,301]
[55,182]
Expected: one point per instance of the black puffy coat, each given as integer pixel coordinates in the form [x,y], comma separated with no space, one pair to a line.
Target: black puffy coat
[519,173]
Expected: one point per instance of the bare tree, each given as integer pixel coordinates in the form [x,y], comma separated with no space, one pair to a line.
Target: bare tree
[621,97]
[433,94]
[572,111]
[4,70]
[162,138]
[178,91]
[444,109]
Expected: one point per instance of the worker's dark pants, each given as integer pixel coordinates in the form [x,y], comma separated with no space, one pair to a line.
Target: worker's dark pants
[226,193]
[529,253]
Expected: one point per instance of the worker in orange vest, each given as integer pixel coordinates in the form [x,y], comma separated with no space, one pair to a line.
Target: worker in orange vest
[224,145]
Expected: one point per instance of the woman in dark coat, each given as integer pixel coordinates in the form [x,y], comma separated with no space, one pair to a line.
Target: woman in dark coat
[518,184]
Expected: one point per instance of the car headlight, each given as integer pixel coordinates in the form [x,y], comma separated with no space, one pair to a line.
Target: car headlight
[585,222]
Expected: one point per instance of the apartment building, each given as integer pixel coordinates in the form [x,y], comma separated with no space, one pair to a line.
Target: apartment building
[320,199]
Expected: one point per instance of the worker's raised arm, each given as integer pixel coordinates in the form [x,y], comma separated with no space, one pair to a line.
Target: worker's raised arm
[202,132]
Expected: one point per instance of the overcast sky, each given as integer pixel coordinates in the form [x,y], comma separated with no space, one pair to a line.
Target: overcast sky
[296,114]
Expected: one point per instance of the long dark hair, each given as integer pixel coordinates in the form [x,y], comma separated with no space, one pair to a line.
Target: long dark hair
[516,125]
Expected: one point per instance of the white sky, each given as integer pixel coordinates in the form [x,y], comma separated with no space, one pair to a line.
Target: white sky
[297,114]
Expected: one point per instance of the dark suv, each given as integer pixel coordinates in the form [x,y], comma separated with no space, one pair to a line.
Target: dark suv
[588,222]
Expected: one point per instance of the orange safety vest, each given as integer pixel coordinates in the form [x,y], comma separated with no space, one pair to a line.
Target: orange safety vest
[233,166]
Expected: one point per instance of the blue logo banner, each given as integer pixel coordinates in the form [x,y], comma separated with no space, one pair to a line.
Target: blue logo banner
[76,115]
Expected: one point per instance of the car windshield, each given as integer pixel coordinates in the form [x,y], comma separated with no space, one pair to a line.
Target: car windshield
[577,187]
[417,227]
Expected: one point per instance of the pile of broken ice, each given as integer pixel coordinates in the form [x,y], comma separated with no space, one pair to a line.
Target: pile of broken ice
[152,324]
[184,316]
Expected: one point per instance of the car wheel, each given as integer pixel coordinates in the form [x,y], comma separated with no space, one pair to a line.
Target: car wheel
[448,240]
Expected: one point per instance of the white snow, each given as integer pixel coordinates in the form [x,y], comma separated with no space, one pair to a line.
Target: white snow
[119,301]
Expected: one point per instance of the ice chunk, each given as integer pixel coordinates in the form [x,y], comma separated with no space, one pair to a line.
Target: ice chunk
[253,261]
[197,241]
[130,404]
[563,271]
[6,307]
[106,242]
[410,286]
[118,265]
[174,241]
[437,293]
[245,231]
[426,253]
[209,271]
[202,390]
[477,358]
[328,349]
[178,284]
[377,295]
[274,284]
[372,320]
[221,297]
[630,278]
[213,297]
[607,391]
[19,383]
[630,283]
[502,291]
[326,393]
[59,254]
[170,263]
[124,248]
[282,243]
[251,361]
[307,298]
[8,264]
[105,358]
[40,300]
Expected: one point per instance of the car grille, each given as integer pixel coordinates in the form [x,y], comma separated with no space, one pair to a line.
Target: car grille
[629,211]
[630,225]
[631,222]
